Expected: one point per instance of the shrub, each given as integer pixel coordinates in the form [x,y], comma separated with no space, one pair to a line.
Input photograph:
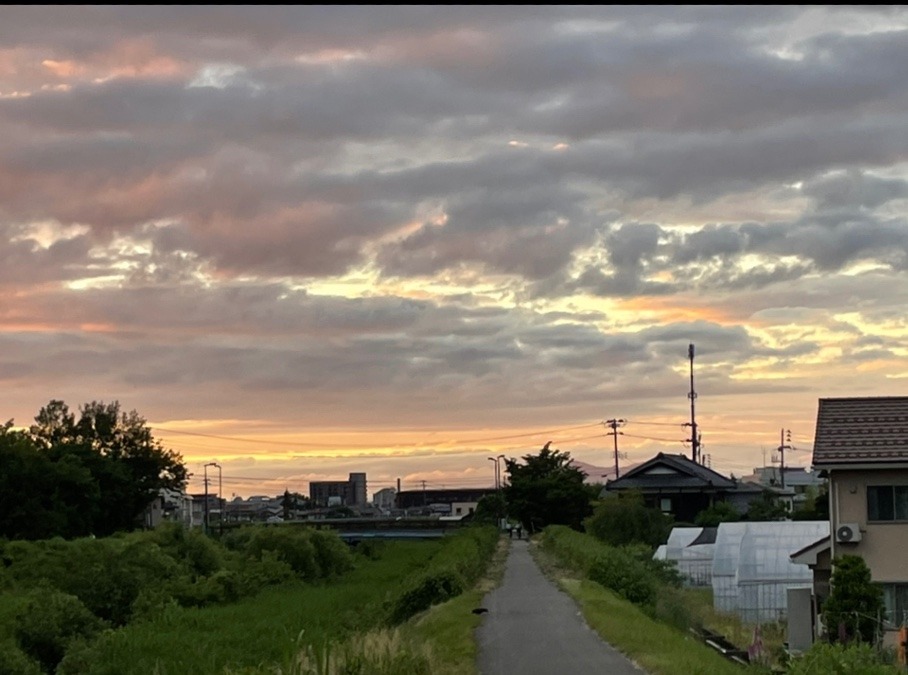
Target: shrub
[838,659]
[854,603]
[621,573]
[626,520]
[431,589]
[199,553]
[50,622]
[269,570]
[13,661]
[333,555]
[291,545]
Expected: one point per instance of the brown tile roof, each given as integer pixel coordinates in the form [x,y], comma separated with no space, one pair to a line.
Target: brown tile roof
[861,431]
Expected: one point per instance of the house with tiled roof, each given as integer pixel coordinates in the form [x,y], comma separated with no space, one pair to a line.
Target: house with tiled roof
[861,444]
[681,487]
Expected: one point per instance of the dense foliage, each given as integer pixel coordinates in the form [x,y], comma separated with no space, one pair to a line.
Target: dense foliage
[457,566]
[74,477]
[546,489]
[628,571]
[855,603]
[68,590]
[626,520]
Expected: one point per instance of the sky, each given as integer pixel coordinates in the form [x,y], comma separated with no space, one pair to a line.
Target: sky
[309,241]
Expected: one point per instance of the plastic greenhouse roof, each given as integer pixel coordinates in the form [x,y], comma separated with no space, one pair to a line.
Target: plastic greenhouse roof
[728,548]
[766,550]
[679,539]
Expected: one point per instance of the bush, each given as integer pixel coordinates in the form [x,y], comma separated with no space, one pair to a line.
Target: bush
[199,553]
[50,622]
[838,659]
[623,520]
[454,568]
[621,573]
[431,589]
[855,602]
[291,545]
[13,661]
[332,554]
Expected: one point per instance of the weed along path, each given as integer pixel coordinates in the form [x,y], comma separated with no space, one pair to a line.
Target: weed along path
[532,628]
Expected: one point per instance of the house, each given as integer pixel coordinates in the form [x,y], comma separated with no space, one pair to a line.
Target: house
[794,485]
[861,444]
[682,488]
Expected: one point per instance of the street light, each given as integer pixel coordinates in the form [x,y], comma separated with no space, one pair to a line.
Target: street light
[220,510]
[495,459]
[500,479]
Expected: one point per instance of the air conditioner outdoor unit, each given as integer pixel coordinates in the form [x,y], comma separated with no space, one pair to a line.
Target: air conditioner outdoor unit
[848,533]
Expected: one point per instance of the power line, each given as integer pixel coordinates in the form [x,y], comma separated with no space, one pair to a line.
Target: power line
[653,438]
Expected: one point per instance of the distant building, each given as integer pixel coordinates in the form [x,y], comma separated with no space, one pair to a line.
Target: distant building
[384,498]
[411,499]
[350,492]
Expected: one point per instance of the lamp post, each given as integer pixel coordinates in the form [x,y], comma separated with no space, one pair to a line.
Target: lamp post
[500,478]
[220,511]
[495,459]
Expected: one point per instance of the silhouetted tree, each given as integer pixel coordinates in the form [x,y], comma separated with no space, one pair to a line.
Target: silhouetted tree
[70,477]
[546,489]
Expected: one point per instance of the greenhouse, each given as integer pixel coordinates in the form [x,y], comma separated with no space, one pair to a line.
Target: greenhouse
[691,548]
[752,569]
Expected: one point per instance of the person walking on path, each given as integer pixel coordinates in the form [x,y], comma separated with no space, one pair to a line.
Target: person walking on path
[532,628]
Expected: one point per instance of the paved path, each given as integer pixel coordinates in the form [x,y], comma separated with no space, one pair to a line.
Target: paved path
[532,628]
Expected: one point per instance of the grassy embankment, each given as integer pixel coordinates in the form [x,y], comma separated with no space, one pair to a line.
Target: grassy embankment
[652,630]
[369,620]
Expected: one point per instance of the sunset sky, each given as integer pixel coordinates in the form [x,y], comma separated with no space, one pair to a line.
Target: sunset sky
[314,240]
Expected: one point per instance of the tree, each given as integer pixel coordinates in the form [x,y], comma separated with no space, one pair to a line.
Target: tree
[767,507]
[855,603]
[546,489]
[94,475]
[713,516]
[490,509]
[815,507]
[625,519]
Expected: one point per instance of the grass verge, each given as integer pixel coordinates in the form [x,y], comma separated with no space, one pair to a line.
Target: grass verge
[448,630]
[656,647]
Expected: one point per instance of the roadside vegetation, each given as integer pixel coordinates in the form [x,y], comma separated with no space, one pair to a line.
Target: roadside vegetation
[267,599]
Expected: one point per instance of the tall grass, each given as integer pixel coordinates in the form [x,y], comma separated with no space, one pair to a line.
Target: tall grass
[338,626]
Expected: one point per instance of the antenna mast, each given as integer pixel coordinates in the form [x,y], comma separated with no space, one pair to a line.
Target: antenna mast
[694,436]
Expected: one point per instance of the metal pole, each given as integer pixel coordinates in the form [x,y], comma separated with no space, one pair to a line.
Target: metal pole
[205,517]
[614,424]
[694,439]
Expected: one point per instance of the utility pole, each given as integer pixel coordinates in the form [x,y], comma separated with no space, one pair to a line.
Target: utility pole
[614,424]
[692,395]
[207,510]
[782,448]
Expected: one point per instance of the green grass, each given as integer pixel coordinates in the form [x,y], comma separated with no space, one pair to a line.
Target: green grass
[656,647]
[700,603]
[448,630]
[270,628]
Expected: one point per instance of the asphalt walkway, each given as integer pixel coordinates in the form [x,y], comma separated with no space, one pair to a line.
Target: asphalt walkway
[533,628]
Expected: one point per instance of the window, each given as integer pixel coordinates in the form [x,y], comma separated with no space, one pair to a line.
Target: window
[887,502]
[895,600]
[665,505]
